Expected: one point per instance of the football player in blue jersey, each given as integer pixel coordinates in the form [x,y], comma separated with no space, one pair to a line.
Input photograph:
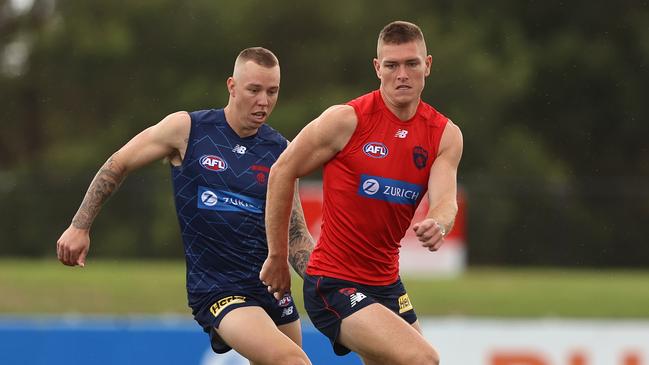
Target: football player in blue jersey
[220,160]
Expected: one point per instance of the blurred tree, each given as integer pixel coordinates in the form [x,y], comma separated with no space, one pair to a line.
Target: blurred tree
[585,105]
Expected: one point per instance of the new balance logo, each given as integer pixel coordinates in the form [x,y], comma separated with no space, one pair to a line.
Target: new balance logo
[401,133]
[287,311]
[239,149]
[356,297]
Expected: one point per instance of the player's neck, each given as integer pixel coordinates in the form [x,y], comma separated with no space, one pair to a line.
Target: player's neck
[403,111]
[235,121]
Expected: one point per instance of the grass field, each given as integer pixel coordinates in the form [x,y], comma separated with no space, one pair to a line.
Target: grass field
[157,287]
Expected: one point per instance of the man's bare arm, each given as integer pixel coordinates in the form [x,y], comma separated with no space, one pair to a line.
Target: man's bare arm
[442,184]
[442,191]
[300,242]
[109,177]
[165,139]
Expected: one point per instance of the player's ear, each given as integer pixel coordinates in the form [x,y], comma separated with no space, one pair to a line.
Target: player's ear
[377,67]
[429,63]
[230,84]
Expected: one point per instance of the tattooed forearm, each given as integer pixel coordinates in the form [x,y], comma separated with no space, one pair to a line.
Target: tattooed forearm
[300,242]
[107,180]
[300,259]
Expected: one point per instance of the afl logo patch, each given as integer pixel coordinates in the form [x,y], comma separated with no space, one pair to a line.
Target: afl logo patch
[213,163]
[285,301]
[375,149]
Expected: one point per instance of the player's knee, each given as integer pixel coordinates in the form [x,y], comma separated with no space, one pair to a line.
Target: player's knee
[294,360]
[290,359]
[434,357]
[424,356]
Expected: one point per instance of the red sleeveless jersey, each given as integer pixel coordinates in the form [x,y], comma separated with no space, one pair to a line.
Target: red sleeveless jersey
[371,190]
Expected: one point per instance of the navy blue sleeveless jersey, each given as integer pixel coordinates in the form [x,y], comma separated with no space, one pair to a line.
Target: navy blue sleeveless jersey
[220,196]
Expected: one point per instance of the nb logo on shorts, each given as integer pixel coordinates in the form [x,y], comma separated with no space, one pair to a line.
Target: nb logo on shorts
[287,311]
[404,303]
[356,297]
[224,302]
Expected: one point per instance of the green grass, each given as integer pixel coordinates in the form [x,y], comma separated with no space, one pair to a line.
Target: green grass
[535,293]
[156,287]
[116,287]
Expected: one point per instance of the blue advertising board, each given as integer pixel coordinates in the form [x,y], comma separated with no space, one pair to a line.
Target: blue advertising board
[126,340]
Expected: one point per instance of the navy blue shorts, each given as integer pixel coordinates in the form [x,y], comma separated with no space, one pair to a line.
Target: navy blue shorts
[209,310]
[328,301]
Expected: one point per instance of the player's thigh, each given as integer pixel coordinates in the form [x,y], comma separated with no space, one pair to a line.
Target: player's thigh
[293,330]
[417,327]
[251,332]
[379,336]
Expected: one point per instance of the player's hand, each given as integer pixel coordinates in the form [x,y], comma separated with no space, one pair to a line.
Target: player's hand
[430,234]
[276,276]
[72,246]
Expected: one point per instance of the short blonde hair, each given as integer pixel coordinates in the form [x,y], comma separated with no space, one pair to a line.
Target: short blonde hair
[399,32]
[258,55]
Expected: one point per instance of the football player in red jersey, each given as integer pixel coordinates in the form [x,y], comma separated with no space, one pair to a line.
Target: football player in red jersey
[381,153]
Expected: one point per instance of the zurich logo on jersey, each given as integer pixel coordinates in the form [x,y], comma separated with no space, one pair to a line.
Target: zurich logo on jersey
[371,186]
[209,198]
[213,163]
[227,201]
[375,149]
[390,190]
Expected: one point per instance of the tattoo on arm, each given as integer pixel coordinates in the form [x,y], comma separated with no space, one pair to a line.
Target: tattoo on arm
[300,242]
[107,180]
